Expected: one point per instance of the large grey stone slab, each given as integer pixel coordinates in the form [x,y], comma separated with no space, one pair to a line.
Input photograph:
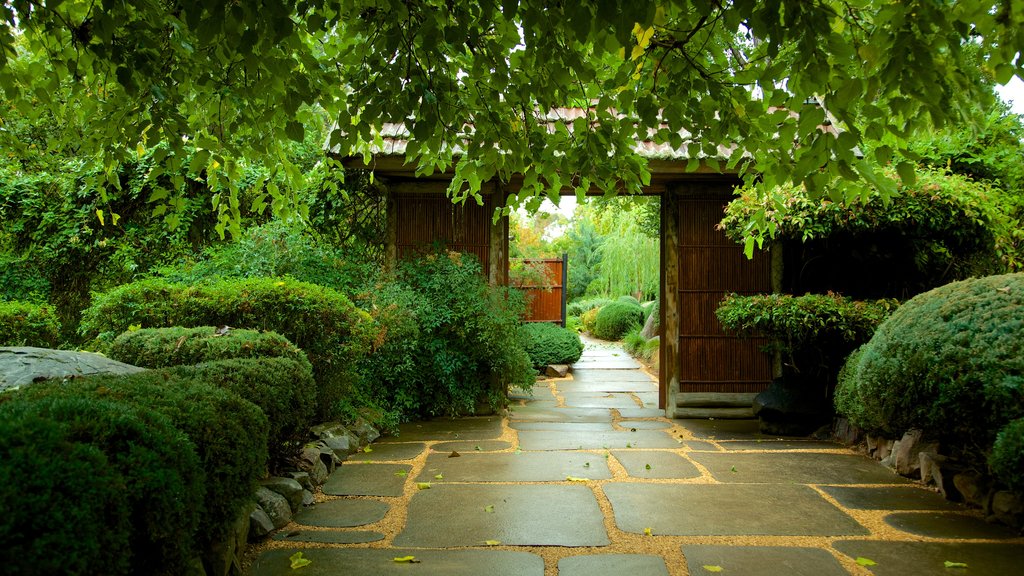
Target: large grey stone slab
[621,361]
[637,412]
[370,562]
[649,399]
[948,525]
[644,424]
[471,446]
[23,365]
[798,468]
[775,444]
[553,414]
[564,426]
[903,558]
[329,536]
[582,375]
[700,445]
[888,498]
[720,429]
[762,560]
[548,440]
[474,428]
[599,400]
[342,513]
[613,565]
[655,464]
[726,510]
[512,467]
[607,386]
[389,452]
[367,480]
[520,515]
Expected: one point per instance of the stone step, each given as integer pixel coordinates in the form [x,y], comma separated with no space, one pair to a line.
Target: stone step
[715,399]
[715,412]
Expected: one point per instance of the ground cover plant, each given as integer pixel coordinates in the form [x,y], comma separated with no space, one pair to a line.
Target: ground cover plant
[28,324]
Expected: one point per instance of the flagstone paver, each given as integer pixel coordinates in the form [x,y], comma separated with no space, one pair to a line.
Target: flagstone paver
[762,561]
[779,445]
[471,446]
[478,428]
[329,536]
[512,467]
[367,480]
[555,414]
[613,565]
[644,424]
[948,525]
[723,429]
[389,452]
[342,513]
[599,400]
[727,510]
[601,377]
[641,412]
[889,498]
[799,468]
[531,515]
[927,558]
[551,440]
[564,426]
[366,562]
[655,464]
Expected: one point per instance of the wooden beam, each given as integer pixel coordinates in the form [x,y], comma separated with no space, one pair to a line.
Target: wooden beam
[391,232]
[668,381]
[497,275]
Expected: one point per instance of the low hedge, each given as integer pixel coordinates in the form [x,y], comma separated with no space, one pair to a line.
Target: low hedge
[282,388]
[578,307]
[615,319]
[161,347]
[332,332]
[28,324]
[548,343]
[229,433]
[949,361]
[1007,459]
[91,486]
[589,319]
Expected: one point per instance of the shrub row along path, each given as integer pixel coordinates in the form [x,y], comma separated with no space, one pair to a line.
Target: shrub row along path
[587,478]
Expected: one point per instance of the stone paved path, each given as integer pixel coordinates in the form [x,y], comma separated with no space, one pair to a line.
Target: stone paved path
[586,478]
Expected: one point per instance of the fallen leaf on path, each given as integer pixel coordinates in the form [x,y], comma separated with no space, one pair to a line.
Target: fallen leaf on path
[647,532]
[478,449]
[367,450]
[454,454]
[492,542]
[865,561]
[586,464]
[733,469]
[489,508]
[405,559]
[402,473]
[712,568]
[954,564]
[575,479]
[298,561]
[439,476]
[647,466]
[423,485]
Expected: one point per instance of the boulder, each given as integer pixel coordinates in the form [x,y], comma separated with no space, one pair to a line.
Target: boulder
[788,408]
[328,457]
[651,327]
[365,431]
[224,558]
[907,460]
[275,505]
[318,475]
[1008,508]
[342,446]
[307,498]
[845,432]
[287,487]
[260,525]
[885,449]
[974,488]
[303,479]
[557,370]
[21,366]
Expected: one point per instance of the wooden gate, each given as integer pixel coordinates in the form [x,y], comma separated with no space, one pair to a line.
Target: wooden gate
[700,265]
[545,288]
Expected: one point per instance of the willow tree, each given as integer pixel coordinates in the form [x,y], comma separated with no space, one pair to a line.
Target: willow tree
[473,82]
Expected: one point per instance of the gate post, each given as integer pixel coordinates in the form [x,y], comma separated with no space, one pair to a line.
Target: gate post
[668,378]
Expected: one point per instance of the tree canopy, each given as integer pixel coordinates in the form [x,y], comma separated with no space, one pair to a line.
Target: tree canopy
[472,81]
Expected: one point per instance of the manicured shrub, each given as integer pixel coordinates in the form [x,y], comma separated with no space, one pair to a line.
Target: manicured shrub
[548,343]
[1007,459]
[27,324]
[322,322]
[578,307]
[589,319]
[156,475]
[949,361]
[160,347]
[63,502]
[627,299]
[229,433]
[615,319]
[282,388]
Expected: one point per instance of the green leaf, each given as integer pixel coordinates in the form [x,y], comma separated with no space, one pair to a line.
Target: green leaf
[492,542]
[295,131]
[865,561]
[423,485]
[712,568]
[405,560]
[949,564]
[298,561]
[489,508]
[907,174]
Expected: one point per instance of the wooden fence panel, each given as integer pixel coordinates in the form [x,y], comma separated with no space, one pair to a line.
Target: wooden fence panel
[545,296]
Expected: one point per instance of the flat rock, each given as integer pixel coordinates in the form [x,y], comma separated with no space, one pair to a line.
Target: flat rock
[700,446]
[644,424]
[637,412]
[649,399]
[726,510]
[512,467]
[522,515]
[796,468]
[389,452]
[888,498]
[724,429]
[329,536]
[471,446]
[342,513]
[547,440]
[655,464]
[367,480]
[554,414]
[606,387]
[23,365]
[762,560]
[581,374]
[620,361]
[948,525]
[473,428]
[776,444]
[613,565]
[599,400]
[564,426]
[369,562]
[903,558]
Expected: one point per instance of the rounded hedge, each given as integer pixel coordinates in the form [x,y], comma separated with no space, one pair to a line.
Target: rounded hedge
[627,299]
[161,347]
[615,319]
[588,319]
[28,324]
[548,343]
[1007,458]
[579,307]
[332,332]
[158,477]
[949,361]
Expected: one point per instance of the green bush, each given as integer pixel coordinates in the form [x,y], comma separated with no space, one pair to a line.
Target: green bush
[638,346]
[282,388]
[615,319]
[160,347]
[548,343]
[588,319]
[578,307]
[27,324]
[627,299]
[22,280]
[949,361]
[322,322]
[229,433]
[156,477]
[1007,459]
